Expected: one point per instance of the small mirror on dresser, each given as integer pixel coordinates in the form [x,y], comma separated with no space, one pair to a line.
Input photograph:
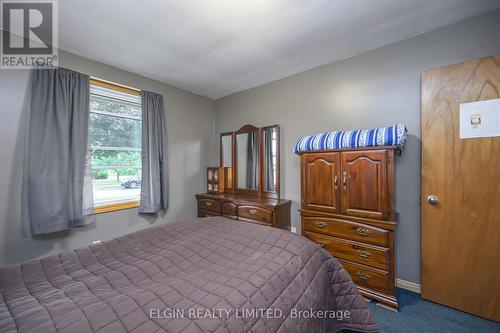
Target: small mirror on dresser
[226,159]
[270,159]
[247,159]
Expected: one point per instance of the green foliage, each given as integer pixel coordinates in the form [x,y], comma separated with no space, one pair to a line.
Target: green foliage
[109,131]
[114,132]
[118,161]
[100,174]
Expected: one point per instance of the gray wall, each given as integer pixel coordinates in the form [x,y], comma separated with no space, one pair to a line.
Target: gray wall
[189,119]
[376,88]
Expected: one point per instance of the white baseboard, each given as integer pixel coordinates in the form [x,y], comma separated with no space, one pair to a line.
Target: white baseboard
[415,287]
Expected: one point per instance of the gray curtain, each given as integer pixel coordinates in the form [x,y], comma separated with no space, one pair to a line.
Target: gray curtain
[252,160]
[154,183]
[56,151]
[268,160]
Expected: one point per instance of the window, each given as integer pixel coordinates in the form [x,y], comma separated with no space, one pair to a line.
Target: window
[115,138]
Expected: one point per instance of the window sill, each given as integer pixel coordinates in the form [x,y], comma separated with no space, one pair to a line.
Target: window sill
[116,207]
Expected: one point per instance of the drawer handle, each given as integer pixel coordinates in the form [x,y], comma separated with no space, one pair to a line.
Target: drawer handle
[363,275]
[253,211]
[364,253]
[321,243]
[335,181]
[208,204]
[362,231]
[320,224]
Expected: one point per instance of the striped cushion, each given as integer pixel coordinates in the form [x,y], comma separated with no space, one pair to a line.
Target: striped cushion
[385,136]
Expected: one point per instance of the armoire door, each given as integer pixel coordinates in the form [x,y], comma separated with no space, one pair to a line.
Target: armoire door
[321,182]
[364,183]
[460,190]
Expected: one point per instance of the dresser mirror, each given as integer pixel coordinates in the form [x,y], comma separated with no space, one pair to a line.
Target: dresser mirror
[254,153]
[270,158]
[226,159]
[247,159]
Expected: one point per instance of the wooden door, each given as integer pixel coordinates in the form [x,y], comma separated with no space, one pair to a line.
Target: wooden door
[364,183]
[461,231]
[321,182]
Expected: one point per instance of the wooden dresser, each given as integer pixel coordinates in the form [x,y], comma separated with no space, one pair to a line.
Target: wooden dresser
[265,211]
[347,207]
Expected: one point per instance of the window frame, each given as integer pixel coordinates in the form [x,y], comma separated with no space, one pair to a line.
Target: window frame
[126,204]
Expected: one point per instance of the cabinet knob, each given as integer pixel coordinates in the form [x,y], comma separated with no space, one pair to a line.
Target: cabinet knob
[363,275]
[320,224]
[364,253]
[321,243]
[432,199]
[362,232]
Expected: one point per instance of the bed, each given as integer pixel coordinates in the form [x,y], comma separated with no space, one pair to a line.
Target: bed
[202,275]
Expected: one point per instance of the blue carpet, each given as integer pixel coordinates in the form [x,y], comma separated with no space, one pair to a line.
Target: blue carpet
[418,315]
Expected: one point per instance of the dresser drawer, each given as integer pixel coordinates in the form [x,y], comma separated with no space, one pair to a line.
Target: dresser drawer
[377,257]
[209,204]
[347,229]
[367,277]
[207,213]
[255,213]
[229,209]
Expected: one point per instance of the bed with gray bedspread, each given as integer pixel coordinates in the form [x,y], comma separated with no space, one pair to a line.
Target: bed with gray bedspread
[204,275]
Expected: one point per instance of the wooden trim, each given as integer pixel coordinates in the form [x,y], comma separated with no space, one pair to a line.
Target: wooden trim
[115,207]
[411,286]
[247,129]
[115,86]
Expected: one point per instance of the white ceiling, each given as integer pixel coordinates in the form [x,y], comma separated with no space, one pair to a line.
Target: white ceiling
[218,47]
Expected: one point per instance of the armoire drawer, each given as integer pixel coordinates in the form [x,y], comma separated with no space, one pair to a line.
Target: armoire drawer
[347,229]
[209,204]
[255,213]
[367,277]
[229,209]
[207,213]
[377,257]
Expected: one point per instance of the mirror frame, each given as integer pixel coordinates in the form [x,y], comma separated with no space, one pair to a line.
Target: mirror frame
[234,161]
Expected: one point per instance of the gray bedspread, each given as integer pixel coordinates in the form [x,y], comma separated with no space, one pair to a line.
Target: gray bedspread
[204,275]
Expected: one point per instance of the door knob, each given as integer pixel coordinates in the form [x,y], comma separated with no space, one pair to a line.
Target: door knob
[432,199]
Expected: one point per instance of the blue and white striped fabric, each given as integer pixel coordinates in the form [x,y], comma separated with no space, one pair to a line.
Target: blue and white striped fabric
[385,136]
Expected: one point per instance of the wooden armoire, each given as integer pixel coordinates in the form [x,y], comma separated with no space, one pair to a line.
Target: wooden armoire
[348,208]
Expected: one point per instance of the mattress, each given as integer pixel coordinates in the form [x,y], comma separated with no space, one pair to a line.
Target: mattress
[202,275]
[385,136]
